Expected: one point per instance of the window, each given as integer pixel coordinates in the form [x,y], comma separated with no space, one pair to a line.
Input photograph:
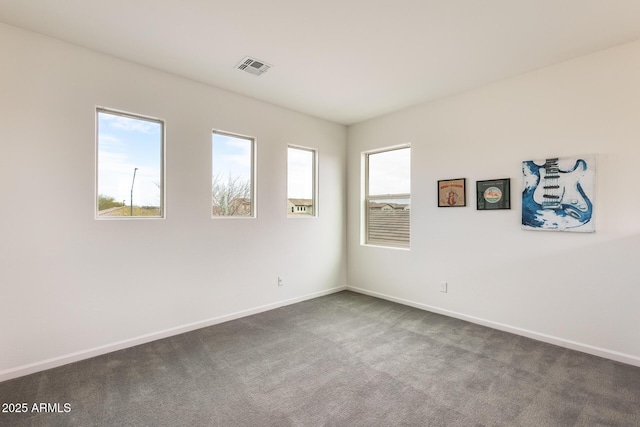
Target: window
[301,182]
[388,197]
[130,177]
[232,175]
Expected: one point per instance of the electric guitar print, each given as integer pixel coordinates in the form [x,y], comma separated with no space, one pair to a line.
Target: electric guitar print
[554,198]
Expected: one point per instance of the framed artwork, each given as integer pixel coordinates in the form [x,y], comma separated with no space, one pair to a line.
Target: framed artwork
[493,194]
[452,193]
[558,194]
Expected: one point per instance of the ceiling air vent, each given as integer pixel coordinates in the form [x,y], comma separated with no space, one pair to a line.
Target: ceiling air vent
[253,66]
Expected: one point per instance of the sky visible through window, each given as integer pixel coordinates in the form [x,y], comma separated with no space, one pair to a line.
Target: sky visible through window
[390,172]
[300,173]
[231,157]
[124,144]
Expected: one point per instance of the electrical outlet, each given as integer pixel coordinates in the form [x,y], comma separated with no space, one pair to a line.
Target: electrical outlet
[280,281]
[443,287]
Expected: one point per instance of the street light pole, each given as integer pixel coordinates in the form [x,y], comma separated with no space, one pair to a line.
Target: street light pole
[132,182]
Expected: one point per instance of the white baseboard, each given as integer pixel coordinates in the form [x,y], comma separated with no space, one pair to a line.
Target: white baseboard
[97,351]
[573,345]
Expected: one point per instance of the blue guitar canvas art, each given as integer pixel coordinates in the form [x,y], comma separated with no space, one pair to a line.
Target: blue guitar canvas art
[558,194]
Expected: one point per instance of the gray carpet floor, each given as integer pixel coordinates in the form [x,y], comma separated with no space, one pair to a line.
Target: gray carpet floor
[341,360]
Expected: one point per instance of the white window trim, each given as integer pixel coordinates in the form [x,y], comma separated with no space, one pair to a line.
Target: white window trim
[314,196]
[254,175]
[163,206]
[366,198]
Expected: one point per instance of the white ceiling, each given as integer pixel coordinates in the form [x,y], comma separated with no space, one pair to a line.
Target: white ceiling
[341,60]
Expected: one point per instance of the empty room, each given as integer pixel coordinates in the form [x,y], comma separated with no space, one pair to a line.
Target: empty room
[291,213]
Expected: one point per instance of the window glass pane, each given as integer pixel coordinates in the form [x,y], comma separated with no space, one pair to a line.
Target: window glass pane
[232,175]
[129,166]
[300,181]
[389,221]
[388,198]
[390,172]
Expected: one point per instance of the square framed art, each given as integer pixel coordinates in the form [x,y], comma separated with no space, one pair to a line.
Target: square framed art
[493,194]
[452,193]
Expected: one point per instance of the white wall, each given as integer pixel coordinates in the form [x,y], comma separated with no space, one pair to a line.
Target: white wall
[574,289]
[72,286]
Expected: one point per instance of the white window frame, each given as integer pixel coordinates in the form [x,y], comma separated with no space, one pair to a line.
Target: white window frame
[368,198]
[162,123]
[314,195]
[253,179]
